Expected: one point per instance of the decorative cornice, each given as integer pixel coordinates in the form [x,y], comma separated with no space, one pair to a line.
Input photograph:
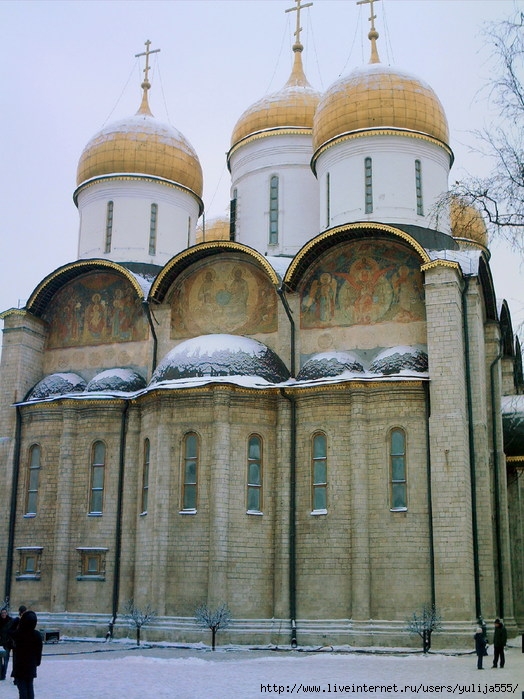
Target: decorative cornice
[517,461]
[117,177]
[440,263]
[360,133]
[265,133]
[12,312]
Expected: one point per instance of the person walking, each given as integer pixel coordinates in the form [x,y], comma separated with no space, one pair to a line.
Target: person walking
[480,647]
[27,654]
[6,623]
[500,638]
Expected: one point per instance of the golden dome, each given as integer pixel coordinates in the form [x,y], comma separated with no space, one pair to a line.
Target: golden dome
[141,145]
[216,229]
[293,106]
[379,97]
[467,222]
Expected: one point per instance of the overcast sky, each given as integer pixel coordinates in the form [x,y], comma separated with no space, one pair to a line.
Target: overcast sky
[70,68]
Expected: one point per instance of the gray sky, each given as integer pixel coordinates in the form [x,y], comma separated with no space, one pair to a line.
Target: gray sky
[70,68]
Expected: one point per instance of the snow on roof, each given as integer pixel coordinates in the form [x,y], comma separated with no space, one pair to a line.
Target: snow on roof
[117,379]
[221,355]
[512,405]
[239,361]
[467,259]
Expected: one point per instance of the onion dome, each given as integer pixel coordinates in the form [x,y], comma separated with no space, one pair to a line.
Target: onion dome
[395,360]
[292,107]
[123,380]
[57,385]
[467,223]
[141,145]
[379,97]
[216,229]
[220,355]
[326,364]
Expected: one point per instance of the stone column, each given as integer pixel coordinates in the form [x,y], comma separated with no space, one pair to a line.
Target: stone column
[63,510]
[219,499]
[359,498]
[134,455]
[281,476]
[449,442]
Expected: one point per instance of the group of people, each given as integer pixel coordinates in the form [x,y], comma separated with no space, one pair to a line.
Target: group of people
[19,636]
[500,638]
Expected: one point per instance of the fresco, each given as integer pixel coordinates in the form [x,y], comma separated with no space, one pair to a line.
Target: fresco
[363,283]
[95,309]
[225,296]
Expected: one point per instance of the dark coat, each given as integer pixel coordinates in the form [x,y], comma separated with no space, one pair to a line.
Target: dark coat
[27,648]
[480,644]
[5,626]
[500,637]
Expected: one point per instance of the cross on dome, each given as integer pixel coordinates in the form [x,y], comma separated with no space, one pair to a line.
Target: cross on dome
[144,107]
[373,34]
[298,45]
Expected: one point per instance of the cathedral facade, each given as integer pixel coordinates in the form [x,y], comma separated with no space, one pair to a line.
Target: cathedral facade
[309,411]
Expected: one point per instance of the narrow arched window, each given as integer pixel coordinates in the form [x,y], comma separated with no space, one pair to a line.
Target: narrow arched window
[98,464]
[319,473]
[398,482]
[109,226]
[145,476]
[152,229]
[368,175]
[418,187]
[273,210]
[33,480]
[233,215]
[328,200]
[190,472]
[254,474]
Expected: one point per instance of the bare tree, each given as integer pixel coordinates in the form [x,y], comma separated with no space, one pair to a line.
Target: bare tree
[500,195]
[138,617]
[216,619]
[423,623]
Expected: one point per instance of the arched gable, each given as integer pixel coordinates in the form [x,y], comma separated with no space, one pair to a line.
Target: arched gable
[488,288]
[352,231]
[224,291]
[506,331]
[188,257]
[55,281]
[90,302]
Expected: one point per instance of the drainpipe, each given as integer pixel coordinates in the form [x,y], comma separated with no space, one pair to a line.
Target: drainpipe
[12,513]
[430,500]
[280,292]
[472,462]
[155,340]
[496,467]
[292,480]
[119,507]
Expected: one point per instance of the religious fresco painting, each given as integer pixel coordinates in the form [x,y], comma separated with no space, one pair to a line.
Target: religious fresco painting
[226,296]
[95,309]
[363,283]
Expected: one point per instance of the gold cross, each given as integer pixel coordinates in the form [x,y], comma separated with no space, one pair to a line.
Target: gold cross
[297,10]
[146,53]
[373,17]
[373,34]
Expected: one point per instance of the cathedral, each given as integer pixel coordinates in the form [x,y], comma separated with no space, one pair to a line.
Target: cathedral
[311,411]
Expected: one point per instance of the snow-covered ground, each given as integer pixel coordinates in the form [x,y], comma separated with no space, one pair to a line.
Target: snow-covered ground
[78,670]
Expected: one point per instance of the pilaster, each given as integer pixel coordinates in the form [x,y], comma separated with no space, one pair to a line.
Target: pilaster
[449,442]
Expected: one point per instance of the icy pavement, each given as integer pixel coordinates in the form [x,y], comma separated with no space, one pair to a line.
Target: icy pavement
[97,671]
